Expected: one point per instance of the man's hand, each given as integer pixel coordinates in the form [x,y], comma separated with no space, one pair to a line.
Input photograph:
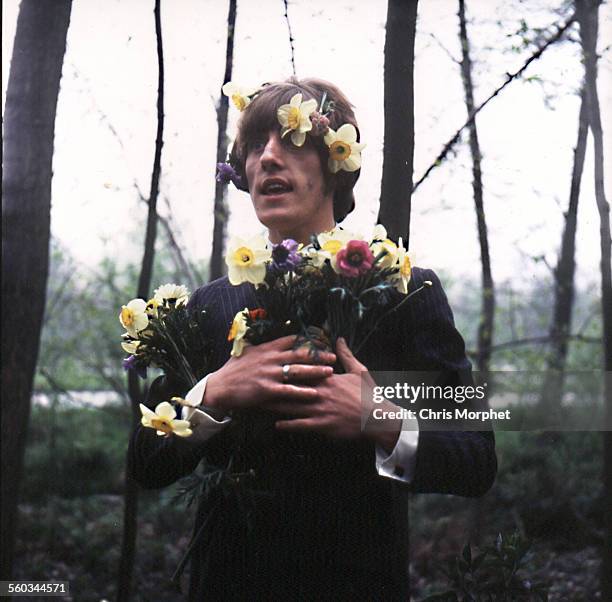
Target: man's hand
[338,409]
[256,377]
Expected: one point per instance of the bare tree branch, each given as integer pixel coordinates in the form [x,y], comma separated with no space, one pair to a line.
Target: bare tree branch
[290,37]
[509,78]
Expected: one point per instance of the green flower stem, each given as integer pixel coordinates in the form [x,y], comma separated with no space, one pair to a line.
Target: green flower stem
[184,365]
[387,314]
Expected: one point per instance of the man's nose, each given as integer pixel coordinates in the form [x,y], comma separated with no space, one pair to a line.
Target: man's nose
[272,153]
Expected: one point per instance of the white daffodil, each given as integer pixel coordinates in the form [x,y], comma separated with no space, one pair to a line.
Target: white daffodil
[344,150]
[381,243]
[246,259]
[133,316]
[130,346]
[163,420]
[405,268]
[295,118]
[237,331]
[174,293]
[152,305]
[240,95]
[330,242]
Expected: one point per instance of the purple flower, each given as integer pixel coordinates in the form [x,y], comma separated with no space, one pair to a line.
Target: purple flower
[226,174]
[131,363]
[285,256]
[320,124]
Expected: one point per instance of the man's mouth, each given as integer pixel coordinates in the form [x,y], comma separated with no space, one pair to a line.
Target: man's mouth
[275,186]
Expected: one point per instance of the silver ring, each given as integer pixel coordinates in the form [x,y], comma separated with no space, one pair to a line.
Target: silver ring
[286,368]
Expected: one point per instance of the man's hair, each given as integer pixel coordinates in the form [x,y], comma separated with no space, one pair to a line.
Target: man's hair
[260,117]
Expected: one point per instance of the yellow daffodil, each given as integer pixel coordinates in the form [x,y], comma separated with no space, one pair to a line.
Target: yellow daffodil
[405,268]
[237,331]
[133,316]
[246,260]
[163,420]
[381,243]
[173,293]
[240,95]
[295,118]
[344,150]
[130,346]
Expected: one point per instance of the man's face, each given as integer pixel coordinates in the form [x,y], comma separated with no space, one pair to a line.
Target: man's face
[287,188]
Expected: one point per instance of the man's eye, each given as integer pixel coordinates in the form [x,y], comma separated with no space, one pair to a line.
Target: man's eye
[257,144]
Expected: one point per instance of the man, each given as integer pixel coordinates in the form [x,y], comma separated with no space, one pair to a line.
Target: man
[335,525]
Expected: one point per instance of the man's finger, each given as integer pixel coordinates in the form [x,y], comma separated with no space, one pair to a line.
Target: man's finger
[289,391]
[299,424]
[297,373]
[303,355]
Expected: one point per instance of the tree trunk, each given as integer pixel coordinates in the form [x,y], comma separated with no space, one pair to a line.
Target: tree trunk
[487,302]
[587,11]
[560,327]
[485,328]
[130,511]
[398,153]
[221,210]
[29,125]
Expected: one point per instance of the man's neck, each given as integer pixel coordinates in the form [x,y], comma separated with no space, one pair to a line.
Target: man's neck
[302,236]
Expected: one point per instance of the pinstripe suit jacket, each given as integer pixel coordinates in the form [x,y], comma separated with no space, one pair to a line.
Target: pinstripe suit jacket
[330,509]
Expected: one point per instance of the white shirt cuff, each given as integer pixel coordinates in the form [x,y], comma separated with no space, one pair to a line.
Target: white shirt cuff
[203,425]
[400,463]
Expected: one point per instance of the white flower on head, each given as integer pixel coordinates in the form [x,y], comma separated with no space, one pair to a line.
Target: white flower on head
[133,317]
[240,95]
[344,150]
[237,331]
[405,268]
[174,293]
[130,346]
[163,420]
[295,118]
[246,259]
[380,243]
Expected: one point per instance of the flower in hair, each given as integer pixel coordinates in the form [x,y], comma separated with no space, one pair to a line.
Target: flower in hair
[226,174]
[295,118]
[241,95]
[320,124]
[344,150]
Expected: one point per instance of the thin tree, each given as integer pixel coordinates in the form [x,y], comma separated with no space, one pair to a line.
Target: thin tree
[29,127]
[130,512]
[487,312]
[221,211]
[487,295]
[565,269]
[398,151]
[588,17]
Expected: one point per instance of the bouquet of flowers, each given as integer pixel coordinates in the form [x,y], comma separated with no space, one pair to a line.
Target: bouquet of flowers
[340,285]
[164,333]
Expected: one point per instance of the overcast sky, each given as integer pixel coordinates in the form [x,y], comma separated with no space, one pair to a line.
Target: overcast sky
[527,134]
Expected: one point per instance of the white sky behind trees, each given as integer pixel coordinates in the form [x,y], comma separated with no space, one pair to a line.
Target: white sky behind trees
[110,84]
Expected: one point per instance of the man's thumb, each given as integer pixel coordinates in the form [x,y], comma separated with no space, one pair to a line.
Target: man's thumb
[348,360]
